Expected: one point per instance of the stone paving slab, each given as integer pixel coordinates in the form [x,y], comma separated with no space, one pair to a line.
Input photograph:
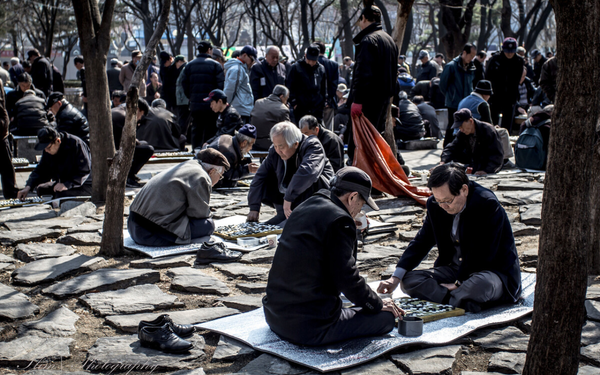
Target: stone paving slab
[132,300]
[252,287]
[185,260]
[428,361]
[593,292]
[129,323]
[237,270]
[509,185]
[88,227]
[229,349]
[590,333]
[58,323]
[507,363]
[242,303]
[404,210]
[268,364]
[12,238]
[374,238]
[81,239]
[509,339]
[76,208]
[195,281]
[531,214]
[51,269]
[258,256]
[377,256]
[127,352]
[15,305]
[34,349]
[377,367]
[40,212]
[588,370]
[519,198]
[54,223]
[36,251]
[592,353]
[593,310]
[399,219]
[520,229]
[408,236]
[100,281]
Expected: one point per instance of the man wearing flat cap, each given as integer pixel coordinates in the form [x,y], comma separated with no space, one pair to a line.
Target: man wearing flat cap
[316,261]
[173,207]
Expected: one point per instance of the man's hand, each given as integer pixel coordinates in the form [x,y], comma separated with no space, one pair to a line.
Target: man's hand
[521,111]
[253,167]
[450,287]
[441,163]
[356,109]
[388,286]
[157,95]
[389,305]
[60,187]
[480,173]
[252,217]
[22,194]
[287,209]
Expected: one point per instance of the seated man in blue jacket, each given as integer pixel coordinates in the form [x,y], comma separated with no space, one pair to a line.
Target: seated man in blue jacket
[477,264]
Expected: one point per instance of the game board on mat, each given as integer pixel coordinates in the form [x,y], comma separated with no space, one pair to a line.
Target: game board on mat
[19,203]
[428,311]
[235,231]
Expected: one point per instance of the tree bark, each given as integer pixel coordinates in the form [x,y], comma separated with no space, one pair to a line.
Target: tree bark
[385,15]
[112,230]
[347,44]
[94,40]
[566,239]
[458,25]
[594,255]
[407,33]
[404,9]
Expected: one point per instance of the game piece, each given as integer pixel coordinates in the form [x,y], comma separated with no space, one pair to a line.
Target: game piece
[235,231]
[428,311]
[18,203]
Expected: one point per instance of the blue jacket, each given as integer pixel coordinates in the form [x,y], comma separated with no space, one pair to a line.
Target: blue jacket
[456,82]
[200,77]
[237,87]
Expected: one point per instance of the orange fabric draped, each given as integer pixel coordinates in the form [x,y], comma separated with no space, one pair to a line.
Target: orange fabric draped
[374,156]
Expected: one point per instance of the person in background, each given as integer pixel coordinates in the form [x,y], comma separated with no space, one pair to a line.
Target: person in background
[15,70]
[267,74]
[80,66]
[217,55]
[127,71]
[41,71]
[479,62]
[154,89]
[332,82]
[403,64]
[429,69]
[237,82]
[268,112]
[113,74]
[182,109]
[68,118]
[538,62]
[439,59]
[307,82]
[7,171]
[235,148]
[332,144]
[432,126]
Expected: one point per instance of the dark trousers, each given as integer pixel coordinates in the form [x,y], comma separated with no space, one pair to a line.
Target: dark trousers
[82,191]
[507,111]
[141,154]
[7,171]
[245,119]
[183,120]
[376,113]
[204,127]
[449,137]
[147,233]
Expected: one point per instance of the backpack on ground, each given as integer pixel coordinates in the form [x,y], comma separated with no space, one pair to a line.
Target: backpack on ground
[529,150]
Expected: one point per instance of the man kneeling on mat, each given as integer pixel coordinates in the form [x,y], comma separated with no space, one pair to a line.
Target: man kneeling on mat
[478,265]
[173,207]
[316,261]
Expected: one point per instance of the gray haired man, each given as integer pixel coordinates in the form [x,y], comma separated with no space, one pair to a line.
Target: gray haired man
[267,112]
[265,75]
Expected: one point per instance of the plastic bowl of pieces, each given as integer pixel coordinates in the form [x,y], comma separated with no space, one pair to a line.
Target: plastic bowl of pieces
[247,241]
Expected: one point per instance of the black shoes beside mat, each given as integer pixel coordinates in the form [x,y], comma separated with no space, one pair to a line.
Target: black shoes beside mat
[215,252]
[163,334]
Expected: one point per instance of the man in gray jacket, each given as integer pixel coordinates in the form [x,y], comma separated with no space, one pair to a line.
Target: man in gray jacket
[267,112]
[237,82]
[173,207]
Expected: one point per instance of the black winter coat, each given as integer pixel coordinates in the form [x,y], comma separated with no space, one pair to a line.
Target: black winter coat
[505,75]
[15,95]
[308,87]
[487,155]
[264,78]
[169,85]
[375,71]
[159,128]
[29,116]
[486,241]
[537,70]
[238,165]
[200,77]
[333,76]
[315,261]
[228,121]
[57,80]
[333,146]
[114,84]
[69,119]
[428,71]
[42,75]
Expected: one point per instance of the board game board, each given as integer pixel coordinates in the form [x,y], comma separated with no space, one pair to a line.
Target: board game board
[20,162]
[174,154]
[428,311]
[235,231]
[19,203]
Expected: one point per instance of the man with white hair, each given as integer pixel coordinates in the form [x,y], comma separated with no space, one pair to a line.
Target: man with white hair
[265,75]
[16,69]
[295,168]
[267,112]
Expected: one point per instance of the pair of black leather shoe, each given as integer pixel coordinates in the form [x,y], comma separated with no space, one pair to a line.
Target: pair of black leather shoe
[212,252]
[162,334]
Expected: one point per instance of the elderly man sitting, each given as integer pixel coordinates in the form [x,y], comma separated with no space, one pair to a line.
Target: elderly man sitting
[295,168]
[267,112]
[173,207]
[332,144]
[234,148]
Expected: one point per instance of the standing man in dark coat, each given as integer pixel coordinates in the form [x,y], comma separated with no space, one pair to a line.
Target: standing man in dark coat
[538,62]
[41,71]
[316,261]
[332,144]
[113,74]
[199,78]
[265,75]
[504,71]
[429,69]
[333,76]
[374,72]
[307,82]
[477,263]
[7,171]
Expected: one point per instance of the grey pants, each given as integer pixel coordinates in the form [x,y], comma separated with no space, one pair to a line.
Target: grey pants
[480,287]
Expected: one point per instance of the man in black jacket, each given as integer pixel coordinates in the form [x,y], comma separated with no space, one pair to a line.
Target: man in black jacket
[25,82]
[199,78]
[409,124]
[374,73]
[159,128]
[65,169]
[307,82]
[316,261]
[295,168]
[7,171]
[41,71]
[228,119]
[113,74]
[332,144]
[29,115]
[538,62]
[333,76]
[477,145]
[68,118]
[477,263]
[267,74]
[234,148]
[429,69]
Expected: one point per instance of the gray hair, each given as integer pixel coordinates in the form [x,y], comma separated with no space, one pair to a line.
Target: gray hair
[243,137]
[159,103]
[288,130]
[14,61]
[271,48]
[281,90]
[402,95]
[207,167]
[308,120]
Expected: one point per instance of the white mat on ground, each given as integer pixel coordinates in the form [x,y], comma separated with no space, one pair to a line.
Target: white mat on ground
[252,329]
[157,252]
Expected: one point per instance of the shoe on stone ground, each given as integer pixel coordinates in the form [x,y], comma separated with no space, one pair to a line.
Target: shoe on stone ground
[212,252]
[132,183]
[509,165]
[181,330]
[163,339]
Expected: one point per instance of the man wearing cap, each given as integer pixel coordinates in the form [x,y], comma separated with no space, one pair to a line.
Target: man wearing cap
[476,145]
[25,82]
[173,207]
[68,118]
[217,55]
[235,148]
[198,79]
[228,119]
[428,68]
[265,75]
[127,71]
[307,82]
[538,62]
[332,144]
[65,169]
[113,74]
[41,71]
[267,112]
[30,115]
[316,261]
[295,168]
[477,102]
[478,264]
[237,82]
[504,71]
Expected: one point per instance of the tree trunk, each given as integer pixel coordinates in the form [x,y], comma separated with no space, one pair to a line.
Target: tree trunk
[347,44]
[407,33]
[594,255]
[385,15]
[482,40]
[404,9]
[112,230]
[566,239]
[190,36]
[94,40]
[304,27]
